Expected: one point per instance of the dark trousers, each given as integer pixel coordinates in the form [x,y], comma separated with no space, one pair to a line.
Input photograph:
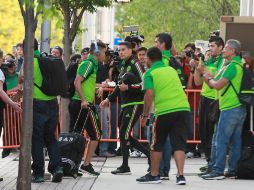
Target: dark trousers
[78,117]
[114,124]
[45,118]
[128,117]
[206,126]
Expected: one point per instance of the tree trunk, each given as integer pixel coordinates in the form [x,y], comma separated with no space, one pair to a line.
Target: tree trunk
[65,117]
[24,173]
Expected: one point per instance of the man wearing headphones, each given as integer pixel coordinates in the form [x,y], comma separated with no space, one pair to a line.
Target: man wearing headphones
[129,89]
[82,102]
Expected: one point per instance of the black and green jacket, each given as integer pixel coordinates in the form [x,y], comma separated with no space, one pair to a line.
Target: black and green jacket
[134,94]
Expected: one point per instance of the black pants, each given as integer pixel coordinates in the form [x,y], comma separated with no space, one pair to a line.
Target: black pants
[128,117]
[45,118]
[92,126]
[206,126]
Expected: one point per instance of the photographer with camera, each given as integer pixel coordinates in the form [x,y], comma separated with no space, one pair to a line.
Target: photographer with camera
[129,87]
[136,40]
[115,106]
[191,54]
[11,75]
[102,81]
[4,99]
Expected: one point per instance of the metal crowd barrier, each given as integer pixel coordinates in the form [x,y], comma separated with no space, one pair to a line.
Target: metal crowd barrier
[12,123]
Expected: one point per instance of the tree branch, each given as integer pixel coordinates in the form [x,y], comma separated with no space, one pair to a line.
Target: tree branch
[21,8]
[75,24]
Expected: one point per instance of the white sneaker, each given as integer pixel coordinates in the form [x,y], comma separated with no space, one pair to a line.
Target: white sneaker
[142,155]
[135,154]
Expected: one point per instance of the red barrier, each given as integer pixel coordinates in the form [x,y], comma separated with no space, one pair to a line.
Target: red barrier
[12,123]
[194,92]
[11,126]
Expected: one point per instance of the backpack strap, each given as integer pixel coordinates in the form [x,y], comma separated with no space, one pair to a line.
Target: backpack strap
[231,84]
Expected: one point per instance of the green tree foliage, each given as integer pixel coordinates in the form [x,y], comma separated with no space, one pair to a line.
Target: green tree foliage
[72,12]
[12,26]
[186,20]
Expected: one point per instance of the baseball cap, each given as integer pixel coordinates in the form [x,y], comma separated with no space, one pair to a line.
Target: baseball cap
[85,50]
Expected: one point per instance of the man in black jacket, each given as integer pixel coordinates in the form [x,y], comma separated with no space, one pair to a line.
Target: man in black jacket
[129,88]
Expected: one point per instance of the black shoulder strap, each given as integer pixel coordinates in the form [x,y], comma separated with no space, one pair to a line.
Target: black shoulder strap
[230,83]
[37,86]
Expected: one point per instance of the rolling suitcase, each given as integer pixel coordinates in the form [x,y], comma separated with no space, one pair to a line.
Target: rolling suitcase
[72,146]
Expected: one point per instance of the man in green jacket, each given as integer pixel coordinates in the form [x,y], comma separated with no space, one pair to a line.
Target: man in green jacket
[171,108]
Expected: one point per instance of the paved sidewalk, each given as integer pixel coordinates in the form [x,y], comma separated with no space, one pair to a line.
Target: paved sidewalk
[107,181]
[139,166]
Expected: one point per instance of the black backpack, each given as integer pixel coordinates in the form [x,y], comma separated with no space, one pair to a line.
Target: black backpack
[54,78]
[173,62]
[245,168]
[71,75]
[246,94]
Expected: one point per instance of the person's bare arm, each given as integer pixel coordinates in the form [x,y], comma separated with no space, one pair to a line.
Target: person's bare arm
[7,100]
[78,86]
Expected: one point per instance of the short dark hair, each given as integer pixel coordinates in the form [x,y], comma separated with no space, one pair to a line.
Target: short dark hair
[191,45]
[127,44]
[59,49]
[166,38]
[217,40]
[100,46]
[19,45]
[12,56]
[75,57]
[142,49]
[154,54]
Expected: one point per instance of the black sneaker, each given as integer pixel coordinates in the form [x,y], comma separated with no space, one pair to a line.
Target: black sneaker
[122,171]
[164,175]
[230,175]
[1,179]
[209,170]
[37,178]
[213,175]
[180,180]
[148,178]
[89,169]
[203,168]
[6,152]
[58,175]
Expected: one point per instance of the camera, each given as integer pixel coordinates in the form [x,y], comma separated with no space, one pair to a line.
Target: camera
[135,37]
[114,56]
[8,64]
[202,56]
[215,33]
[190,53]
